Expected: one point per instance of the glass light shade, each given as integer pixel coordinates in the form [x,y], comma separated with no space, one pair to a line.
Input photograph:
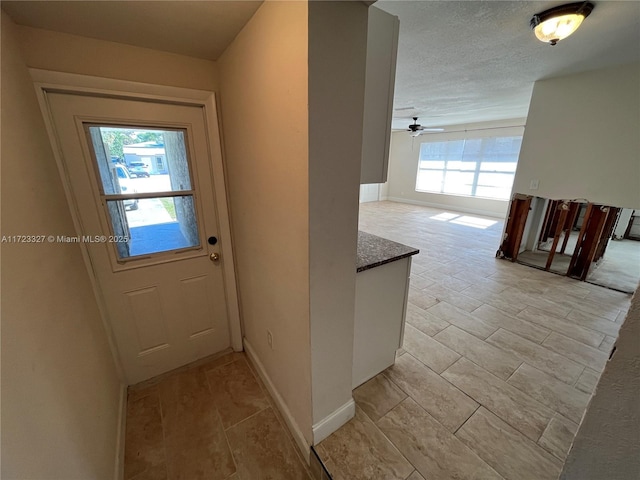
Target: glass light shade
[557,28]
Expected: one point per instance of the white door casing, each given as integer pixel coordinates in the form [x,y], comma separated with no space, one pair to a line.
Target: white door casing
[164,310]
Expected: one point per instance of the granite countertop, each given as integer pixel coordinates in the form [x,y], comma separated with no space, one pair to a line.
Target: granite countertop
[374,251]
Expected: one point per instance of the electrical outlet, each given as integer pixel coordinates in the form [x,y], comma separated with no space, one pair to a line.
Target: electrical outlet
[534,184]
[270,339]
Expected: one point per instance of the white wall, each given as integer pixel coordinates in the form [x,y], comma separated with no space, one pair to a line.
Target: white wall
[60,389]
[607,444]
[62,52]
[582,138]
[403,167]
[337,57]
[263,77]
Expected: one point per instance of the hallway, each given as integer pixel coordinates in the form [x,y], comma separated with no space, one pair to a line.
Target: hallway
[211,420]
[498,364]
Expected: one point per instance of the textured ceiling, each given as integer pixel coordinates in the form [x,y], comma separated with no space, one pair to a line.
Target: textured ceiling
[201,29]
[473,61]
[458,61]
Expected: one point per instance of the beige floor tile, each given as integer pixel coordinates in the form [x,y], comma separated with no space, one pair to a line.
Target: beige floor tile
[510,453]
[461,319]
[532,286]
[236,393]
[136,392]
[588,381]
[423,321]
[538,356]
[496,318]
[435,452]
[416,268]
[450,268]
[508,277]
[443,401]
[586,305]
[415,476]
[576,351]
[609,297]
[144,446]
[489,285]
[594,322]
[420,283]
[261,449]
[430,352]
[421,298]
[223,360]
[453,297]
[558,436]
[516,408]
[487,356]
[607,344]
[359,451]
[566,327]
[193,456]
[551,392]
[454,283]
[535,300]
[621,317]
[506,304]
[156,472]
[194,436]
[573,289]
[377,396]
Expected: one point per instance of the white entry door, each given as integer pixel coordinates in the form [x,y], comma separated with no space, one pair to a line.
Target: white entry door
[141,184]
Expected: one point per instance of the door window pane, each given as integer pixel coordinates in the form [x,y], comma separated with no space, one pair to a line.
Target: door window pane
[159,156]
[148,199]
[152,225]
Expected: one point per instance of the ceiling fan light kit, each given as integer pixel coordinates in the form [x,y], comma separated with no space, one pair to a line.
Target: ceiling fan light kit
[559,22]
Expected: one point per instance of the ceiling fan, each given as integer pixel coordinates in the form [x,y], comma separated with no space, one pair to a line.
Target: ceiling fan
[416,129]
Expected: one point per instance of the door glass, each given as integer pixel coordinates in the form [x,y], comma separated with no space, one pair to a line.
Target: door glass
[147,188]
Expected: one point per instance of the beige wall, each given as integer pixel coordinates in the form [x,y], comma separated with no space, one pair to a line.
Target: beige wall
[263,78]
[62,52]
[403,168]
[582,138]
[607,444]
[60,390]
[337,57]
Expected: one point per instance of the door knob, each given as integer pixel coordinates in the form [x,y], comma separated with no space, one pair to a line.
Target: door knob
[214,257]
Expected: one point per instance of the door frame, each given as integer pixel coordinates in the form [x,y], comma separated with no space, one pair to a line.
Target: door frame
[49,81]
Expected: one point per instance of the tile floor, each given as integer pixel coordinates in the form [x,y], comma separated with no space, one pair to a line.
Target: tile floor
[498,363]
[180,427]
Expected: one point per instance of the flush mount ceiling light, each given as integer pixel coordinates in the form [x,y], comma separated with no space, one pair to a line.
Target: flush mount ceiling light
[560,22]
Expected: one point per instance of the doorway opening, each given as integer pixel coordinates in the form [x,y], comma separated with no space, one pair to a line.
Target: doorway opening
[586,241]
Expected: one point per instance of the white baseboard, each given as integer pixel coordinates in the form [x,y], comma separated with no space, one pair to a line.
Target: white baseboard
[333,421]
[455,208]
[301,442]
[120,434]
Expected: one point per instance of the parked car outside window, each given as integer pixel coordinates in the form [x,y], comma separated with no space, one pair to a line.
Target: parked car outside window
[139,169]
[126,186]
